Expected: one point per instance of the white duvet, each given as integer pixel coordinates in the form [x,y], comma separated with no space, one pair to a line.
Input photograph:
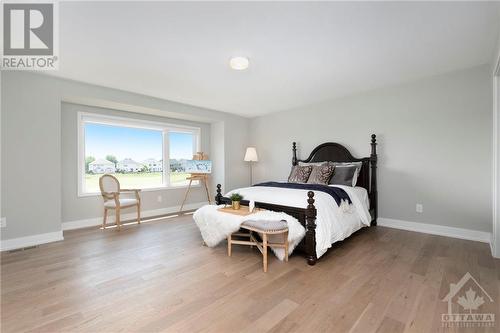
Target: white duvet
[333,223]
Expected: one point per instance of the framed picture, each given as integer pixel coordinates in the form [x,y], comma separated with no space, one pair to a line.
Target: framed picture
[198,166]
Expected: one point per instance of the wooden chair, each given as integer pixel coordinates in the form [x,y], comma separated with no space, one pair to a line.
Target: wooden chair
[264,228]
[111,193]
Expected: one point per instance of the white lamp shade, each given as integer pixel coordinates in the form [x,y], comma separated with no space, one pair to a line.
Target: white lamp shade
[251,155]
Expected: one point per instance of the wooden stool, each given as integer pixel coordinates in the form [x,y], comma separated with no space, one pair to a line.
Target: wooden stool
[264,228]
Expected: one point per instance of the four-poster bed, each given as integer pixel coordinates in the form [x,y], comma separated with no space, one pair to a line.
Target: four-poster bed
[326,152]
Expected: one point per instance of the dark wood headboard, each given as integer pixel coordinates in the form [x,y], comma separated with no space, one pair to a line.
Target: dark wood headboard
[335,152]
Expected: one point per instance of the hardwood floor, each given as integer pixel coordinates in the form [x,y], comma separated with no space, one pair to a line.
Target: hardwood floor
[158,277]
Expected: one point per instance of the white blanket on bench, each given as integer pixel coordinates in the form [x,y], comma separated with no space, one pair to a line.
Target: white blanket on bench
[215,226]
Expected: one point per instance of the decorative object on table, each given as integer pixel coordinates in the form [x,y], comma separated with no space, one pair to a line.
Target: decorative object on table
[251,205]
[251,156]
[265,229]
[111,193]
[243,211]
[199,169]
[235,200]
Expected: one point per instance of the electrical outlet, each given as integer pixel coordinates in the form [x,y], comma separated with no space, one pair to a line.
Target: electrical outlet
[3,222]
[159,198]
[419,208]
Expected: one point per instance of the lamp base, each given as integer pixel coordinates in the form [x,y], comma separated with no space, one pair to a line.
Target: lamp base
[251,174]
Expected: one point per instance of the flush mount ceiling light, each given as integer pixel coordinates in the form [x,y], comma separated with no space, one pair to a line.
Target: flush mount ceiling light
[239,63]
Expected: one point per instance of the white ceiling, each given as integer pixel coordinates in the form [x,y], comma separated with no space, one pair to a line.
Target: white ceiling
[300,53]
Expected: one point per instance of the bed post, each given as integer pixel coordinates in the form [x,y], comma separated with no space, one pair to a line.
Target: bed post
[373,185]
[294,156]
[311,230]
[218,196]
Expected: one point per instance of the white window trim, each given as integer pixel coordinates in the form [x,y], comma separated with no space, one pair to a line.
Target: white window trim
[86,117]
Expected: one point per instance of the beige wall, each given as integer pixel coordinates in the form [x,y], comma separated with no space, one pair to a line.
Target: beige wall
[435,146]
[435,141]
[32,151]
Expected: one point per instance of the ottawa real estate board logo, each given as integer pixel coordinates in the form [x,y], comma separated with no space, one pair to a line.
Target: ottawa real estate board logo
[469,305]
[30,36]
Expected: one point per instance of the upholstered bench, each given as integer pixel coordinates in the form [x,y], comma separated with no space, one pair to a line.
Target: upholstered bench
[264,228]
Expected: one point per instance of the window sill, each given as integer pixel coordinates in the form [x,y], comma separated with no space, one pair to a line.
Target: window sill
[151,189]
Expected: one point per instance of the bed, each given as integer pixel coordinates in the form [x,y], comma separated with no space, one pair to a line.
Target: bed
[317,219]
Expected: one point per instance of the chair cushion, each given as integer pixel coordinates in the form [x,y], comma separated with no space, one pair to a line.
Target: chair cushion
[123,203]
[267,226]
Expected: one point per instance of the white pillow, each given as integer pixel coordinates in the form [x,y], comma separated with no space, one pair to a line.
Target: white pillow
[312,164]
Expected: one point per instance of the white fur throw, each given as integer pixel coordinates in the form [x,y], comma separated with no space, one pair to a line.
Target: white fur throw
[215,226]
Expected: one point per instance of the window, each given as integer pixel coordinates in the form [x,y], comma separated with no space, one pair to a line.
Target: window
[182,147]
[141,154]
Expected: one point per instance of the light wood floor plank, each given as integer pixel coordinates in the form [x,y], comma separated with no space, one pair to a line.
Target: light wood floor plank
[157,277]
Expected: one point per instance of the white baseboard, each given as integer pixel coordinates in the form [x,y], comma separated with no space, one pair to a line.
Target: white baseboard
[434,229]
[92,222]
[17,243]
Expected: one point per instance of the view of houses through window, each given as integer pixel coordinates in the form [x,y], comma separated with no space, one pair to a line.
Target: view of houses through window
[135,155]
[180,150]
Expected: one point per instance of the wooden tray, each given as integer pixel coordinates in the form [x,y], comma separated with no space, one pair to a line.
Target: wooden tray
[243,211]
